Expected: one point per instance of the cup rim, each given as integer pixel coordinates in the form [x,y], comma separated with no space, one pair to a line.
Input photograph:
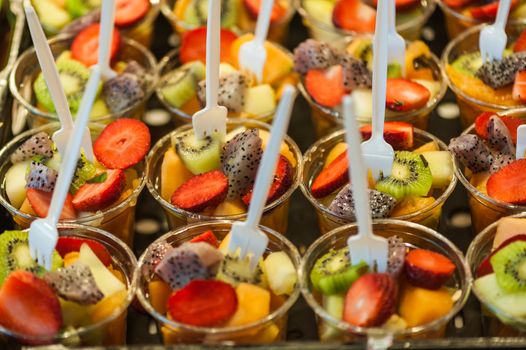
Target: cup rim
[339,133]
[99,215]
[61,38]
[130,295]
[344,326]
[283,309]
[199,216]
[472,21]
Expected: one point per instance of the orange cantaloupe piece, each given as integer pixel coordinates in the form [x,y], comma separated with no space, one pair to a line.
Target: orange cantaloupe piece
[173,173]
[419,306]
[159,291]
[253,304]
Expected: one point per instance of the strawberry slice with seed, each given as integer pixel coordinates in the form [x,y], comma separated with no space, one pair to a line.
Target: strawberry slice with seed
[325,86]
[201,191]
[97,196]
[332,177]
[207,237]
[507,184]
[85,46]
[427,269]
[66,244]
[397,134]
[127,12]
[40,201]
[354,15]
[193,45]
[403,95]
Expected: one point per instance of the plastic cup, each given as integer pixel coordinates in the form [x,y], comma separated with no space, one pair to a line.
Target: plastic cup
[313,163]
[112,329]
[414,235]
[496,322]
[270,329]
[276,32]
[117,219]
[27,68]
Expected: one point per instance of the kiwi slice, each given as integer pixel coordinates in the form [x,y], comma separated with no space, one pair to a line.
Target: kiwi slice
[363,50]
[84,171]
[196,13]
[509,265]
[468,63]
[333,272]
[181,85]
[78,8]
[14,255]
[234,271]
[410,176]
[394,70]
[199,156]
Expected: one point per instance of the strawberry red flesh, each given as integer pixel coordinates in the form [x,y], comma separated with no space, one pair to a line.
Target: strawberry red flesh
[332,177]
[67,245]
[519,87]
[127,12]
[489,11]
[40,201]
[97,196]
[201,191]
[203,303]
[520,43]
[507,184]
[403,95]
[481,124]
[457,3]
[427,269]
[397,134]
[325,86]
[253,6]
[207,237]
[193,45]
[402,4]
[85,46]
[354,15]
[485,267]
[122,144]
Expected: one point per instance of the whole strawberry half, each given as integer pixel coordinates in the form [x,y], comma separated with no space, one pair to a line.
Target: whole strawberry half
[325,86]
[397,134]
[97,196]
[354,15]
[40,201]
[404,95]
[507,184]
[427,269]
[201,191]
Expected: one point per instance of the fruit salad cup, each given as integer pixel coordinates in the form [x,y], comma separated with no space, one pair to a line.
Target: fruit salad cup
[425,270]
[122,96]
[208,180]
[494,86]
[134,17]
[181,88]
[329,71]
[81,302]
[102,196]
[239,16]
[198,304]
[421,181]
[334,19]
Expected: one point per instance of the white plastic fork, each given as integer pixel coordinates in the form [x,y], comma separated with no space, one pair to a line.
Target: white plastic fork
[107,24]
[252,54]
[493,38]
[56,91]
[521,142]
[245,237]
[212,118]
[395,42]
[365,245]
[43,234]
[378,154]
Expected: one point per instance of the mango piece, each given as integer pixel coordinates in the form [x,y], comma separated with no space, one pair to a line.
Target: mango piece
[409,205]
[70,258]
[180,8]
[507,228]
[284,149]
[419,306]
[223,246]
[253,304]
[427,147]
[335,152]
[107,306]
[479,180]
[159,291]
[230,207]
[173,173]
[265,335]
[27,208]
[291,79]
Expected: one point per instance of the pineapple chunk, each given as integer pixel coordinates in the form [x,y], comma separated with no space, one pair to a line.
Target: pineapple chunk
[280,272]
[334,153]
[260,100]
[441,166]
[105,280]
[253,304]
[230,207]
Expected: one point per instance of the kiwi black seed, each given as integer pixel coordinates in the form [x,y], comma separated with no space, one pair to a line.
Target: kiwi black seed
[509,265]
[234,271]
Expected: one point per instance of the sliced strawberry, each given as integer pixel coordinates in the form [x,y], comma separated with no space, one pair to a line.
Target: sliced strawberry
[40,201]
[282,182]
[253,6]
[403,95]
[520,43]
[371,300]
[29,306]
[193,45]
[332,177]
[66,244]
[354,15]
[127,12]
[402,4]
[325,86]
[457,3]
[207,237]
[427,269]
[201,191]
[507,184]
[85,46]
[122,144]
[97,196]
[203,303]
[481,124]
[485,267]
[489,11]
[519,87]
[397,134]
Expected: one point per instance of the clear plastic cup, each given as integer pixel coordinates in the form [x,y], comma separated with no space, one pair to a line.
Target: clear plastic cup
[118,219]
[270,329]
[275,214]
[313,163]
[470,107]
[496,322]
[112,329]
[27,68]
[414,236]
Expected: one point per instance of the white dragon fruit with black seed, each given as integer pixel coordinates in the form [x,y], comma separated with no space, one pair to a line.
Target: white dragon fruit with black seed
[312,54]
[499,136]
[472,152]
[500,160]
[122,92]
[240,161]
[133,67]
[180,266]
[395,255]
[156,252]
[355,73]
[231,92]
[41,177]
[82,23]
[38,144]
[499,73]
[75,283]
[343,204]
[210,256]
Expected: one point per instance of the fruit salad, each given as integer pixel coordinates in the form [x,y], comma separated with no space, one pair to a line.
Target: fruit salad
[102,193]
[328,72]
[425,284]
[81,301]
[123,95]
[492,86]
[486,166]
[202,180]
[330,20]
[200,292]
[422,178]
[182,84]
[239,16]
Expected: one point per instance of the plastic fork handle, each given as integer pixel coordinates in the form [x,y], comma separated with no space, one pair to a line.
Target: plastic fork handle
[521,142]
[380,68]
[357,172]
[47,64]
[392,16]
[213,40]
[267,167]
[263,20]
[69,163]
[107,19]
[502,13]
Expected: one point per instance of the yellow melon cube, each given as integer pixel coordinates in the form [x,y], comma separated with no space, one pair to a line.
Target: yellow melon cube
[419,306]
[253,304]
[230,207]
[108,306]
[159,291]
[173,173]
[284,149]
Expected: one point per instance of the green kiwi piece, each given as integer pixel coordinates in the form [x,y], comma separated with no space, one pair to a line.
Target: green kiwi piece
[468,63]
[14,255]
[509,265]
[410,176]
[78,8]
[234,271]
[84,171]
[333,272]
[180,86]
[363,50]
[394,70]
[199,156]
[196,13]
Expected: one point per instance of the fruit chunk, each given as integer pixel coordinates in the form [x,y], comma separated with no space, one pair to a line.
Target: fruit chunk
[234,270]
[15,183]
[354,15]
[199,156]
[85,46]
[108,306]
[507,228]
[52,16]
[127,12]
[173,173]
[419,306]
[485,267]
[40,201]
[334,153]
[97,196]
[67,244]
[106,281]
[253,304]
[397,134]
[253,7]
[381,204]
[326,86]
[280,272]
[193,45]
[428,269]
[159,294]
[519,87]
[201,191]
[74,283]
[441,166]
[403,95]
[428,147]
[332,177]
[180,266]
[208,237]
[481,124]
[411,204]
[230,207]
[509,266]
[260,100]
[489,291]
[506,185]
[500,73]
